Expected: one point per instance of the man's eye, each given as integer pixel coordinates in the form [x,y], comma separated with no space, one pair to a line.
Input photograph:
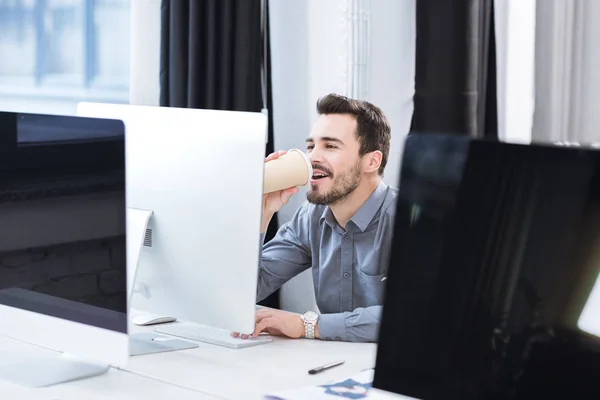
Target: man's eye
[331,146]
[309,147]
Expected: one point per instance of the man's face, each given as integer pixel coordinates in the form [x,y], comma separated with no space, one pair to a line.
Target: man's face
[333,149]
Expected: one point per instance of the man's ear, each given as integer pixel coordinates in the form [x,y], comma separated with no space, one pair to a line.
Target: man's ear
[373,161]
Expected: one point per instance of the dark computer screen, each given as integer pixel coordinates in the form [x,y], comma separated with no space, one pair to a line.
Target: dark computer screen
[496,249]
[62,213]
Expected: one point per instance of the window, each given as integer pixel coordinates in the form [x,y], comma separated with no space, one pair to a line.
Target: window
[56,53]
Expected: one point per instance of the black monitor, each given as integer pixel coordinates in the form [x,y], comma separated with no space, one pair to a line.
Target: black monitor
[496,249]
[63,281]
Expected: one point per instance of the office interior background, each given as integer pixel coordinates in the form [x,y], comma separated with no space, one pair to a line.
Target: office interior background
[516,70]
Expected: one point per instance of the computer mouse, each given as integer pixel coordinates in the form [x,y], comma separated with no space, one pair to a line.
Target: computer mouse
[152,319]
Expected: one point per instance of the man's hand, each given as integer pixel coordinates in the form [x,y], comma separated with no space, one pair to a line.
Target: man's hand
[272,202]
[276,323]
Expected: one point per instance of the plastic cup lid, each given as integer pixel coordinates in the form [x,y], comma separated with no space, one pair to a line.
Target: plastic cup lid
[306,159]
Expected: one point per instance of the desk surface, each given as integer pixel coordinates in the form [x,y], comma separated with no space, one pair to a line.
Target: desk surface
[114,385]
[252,372]
[206,372]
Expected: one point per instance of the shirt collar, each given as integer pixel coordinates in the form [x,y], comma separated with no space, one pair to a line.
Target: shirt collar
[365,214]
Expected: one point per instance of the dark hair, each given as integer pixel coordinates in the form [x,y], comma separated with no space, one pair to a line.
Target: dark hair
[373,129]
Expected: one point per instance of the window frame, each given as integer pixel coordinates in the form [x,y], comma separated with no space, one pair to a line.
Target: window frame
[44,86]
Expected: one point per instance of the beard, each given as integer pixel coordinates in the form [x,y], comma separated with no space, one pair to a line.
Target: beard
[342,185]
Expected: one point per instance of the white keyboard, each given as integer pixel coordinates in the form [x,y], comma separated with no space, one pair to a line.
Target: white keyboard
[206,334]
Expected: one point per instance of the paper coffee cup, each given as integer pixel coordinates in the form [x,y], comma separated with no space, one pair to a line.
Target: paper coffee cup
[291,169]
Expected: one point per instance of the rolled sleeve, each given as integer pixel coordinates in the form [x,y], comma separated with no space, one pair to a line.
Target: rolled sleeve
[332,326]
[360,325]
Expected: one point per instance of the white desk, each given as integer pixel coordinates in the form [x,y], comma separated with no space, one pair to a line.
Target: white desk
[114,385]
[252,372]
[206,372]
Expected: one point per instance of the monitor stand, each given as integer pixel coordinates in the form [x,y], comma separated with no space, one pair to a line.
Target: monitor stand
[150,343]
[37,372]
[138,236]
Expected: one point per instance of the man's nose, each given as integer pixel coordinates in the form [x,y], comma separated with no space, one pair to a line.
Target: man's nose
[315,155]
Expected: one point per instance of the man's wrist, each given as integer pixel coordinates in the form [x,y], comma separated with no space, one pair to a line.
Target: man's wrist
[310,320]
[266,220]
[303,329]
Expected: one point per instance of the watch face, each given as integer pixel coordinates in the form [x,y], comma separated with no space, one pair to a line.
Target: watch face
[311,316]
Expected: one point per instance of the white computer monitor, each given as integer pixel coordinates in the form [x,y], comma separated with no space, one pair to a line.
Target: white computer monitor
[62,247]
[196,177]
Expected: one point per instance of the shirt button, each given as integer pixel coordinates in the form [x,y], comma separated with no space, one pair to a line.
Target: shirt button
[346,275]
[347,239]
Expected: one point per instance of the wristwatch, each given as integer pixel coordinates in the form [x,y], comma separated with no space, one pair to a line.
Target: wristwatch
[310,319]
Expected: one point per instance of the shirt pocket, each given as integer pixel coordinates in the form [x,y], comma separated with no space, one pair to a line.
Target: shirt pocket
[376,265]
[373,287]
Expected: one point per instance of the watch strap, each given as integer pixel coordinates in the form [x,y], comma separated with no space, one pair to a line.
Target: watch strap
[309,329]
[310,319]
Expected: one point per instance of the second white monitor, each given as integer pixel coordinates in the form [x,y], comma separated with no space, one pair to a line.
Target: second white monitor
[200,174]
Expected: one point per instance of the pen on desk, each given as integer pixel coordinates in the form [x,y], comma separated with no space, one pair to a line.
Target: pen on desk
[325,367]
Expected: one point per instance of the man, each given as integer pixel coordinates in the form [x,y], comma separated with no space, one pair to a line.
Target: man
[343,233]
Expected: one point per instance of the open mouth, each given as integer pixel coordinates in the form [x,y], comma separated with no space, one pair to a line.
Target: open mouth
[319,175]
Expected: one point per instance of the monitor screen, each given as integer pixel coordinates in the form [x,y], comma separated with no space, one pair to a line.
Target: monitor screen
[496,250]
[62,207]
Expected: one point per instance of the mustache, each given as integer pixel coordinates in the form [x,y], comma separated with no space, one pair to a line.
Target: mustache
[323,168]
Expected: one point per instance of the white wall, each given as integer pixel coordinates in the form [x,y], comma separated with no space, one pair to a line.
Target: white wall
[567,71]
[309,59]
[144,86]
[393,71]
[515,43]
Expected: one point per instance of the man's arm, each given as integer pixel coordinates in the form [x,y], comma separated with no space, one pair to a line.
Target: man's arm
[283,257]
[360,325]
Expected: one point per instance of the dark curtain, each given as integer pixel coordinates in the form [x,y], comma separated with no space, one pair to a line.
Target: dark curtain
[455,81]
[213,57]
